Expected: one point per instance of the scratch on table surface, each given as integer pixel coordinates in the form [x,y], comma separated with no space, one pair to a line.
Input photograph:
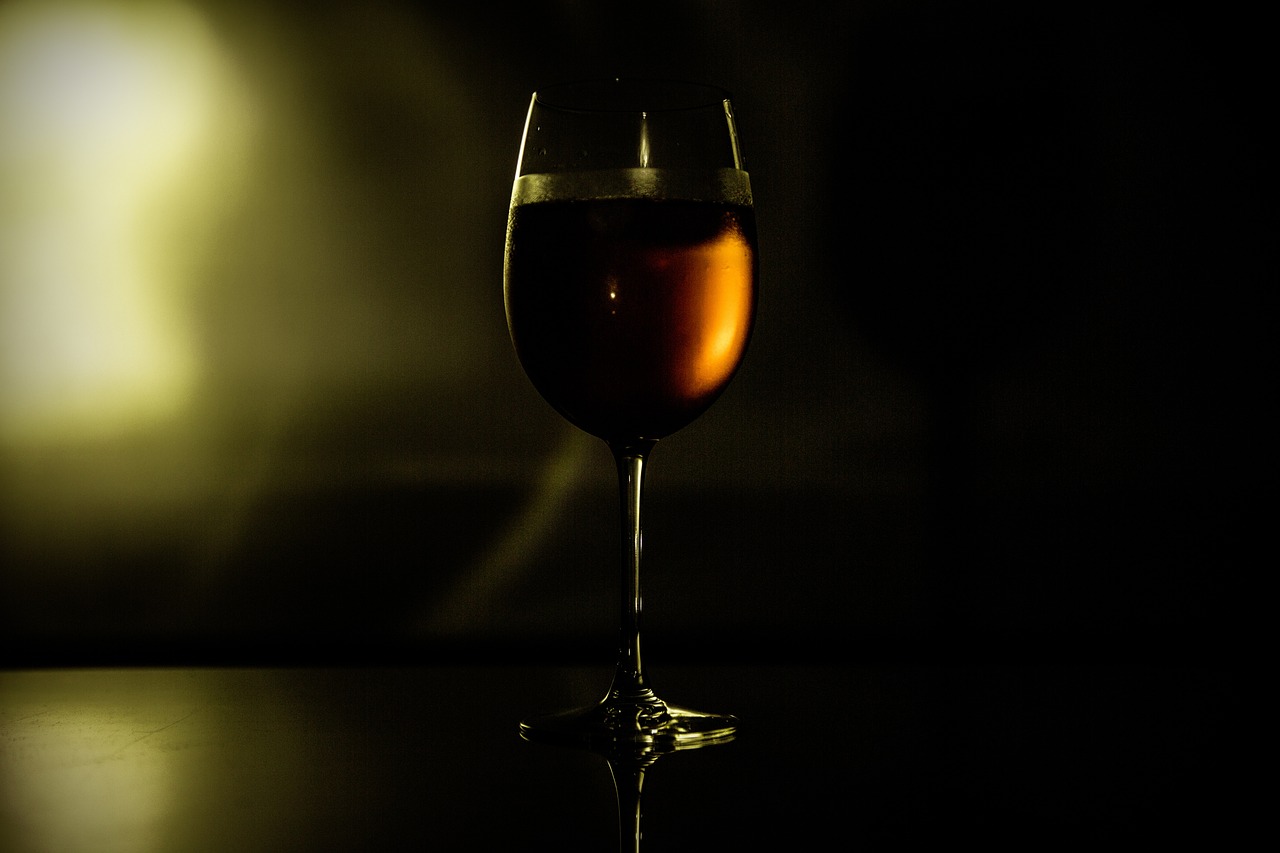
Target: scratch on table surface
[31,716]
[148,733]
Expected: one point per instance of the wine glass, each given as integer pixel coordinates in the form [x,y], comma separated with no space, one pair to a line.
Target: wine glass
[630,291]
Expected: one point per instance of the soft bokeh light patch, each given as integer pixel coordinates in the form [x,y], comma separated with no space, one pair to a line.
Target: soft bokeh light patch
[115,122]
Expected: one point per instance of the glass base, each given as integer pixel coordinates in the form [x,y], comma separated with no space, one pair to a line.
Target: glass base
[618,721]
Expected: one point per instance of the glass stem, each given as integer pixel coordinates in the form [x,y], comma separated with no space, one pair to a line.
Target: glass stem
[629,682]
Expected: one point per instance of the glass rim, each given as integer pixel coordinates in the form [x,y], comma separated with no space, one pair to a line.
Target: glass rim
[632,95]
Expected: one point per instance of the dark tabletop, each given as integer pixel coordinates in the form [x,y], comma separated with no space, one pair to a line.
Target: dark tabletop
[428,757]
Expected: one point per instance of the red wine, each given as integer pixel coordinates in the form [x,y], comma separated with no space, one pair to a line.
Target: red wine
[630,316]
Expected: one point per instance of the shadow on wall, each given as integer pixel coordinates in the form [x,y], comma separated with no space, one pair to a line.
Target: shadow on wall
[266,390]
[257,384]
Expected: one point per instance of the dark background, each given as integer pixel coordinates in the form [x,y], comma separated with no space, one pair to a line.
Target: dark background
[1000,405]
[967,543]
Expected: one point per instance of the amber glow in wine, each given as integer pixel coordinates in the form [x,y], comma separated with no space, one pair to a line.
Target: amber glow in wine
[630,315]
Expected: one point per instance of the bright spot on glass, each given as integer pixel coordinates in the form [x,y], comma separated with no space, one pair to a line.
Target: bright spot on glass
[644,140]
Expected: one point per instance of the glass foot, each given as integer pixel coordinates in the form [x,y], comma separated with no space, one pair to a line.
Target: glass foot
[614,721]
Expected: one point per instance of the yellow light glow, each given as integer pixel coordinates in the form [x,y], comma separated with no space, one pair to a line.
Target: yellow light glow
[85,776]
[108,113]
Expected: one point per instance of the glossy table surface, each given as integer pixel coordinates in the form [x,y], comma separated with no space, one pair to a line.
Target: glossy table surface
[428,757]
